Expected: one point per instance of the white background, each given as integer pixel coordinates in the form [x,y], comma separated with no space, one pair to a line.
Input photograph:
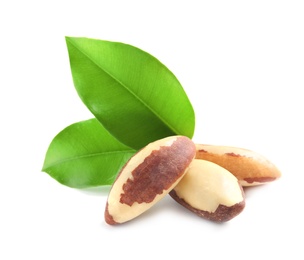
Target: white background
[242,66]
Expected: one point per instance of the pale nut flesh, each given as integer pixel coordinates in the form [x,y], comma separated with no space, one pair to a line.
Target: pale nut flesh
[147,177]
[249,167]
[210,191]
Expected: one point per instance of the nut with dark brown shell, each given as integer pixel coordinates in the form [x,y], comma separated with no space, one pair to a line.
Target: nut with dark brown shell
[210,191]
[249,167]
[147,177]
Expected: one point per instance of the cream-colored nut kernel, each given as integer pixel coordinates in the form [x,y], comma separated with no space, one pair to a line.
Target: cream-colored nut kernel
[249,167]
[147,177]
[210,191]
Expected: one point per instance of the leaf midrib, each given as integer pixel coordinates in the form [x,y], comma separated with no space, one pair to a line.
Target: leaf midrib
[86,156]
[123,85]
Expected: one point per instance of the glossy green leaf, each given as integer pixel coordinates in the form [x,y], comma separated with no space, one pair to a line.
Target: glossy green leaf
[85,155]
[134,96]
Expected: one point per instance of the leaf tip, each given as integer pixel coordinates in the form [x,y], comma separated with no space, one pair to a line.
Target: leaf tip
[44,168]
[67,38]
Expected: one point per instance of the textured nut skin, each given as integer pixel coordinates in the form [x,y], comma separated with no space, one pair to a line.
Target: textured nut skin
[147,177]
[249,167]
[210,191]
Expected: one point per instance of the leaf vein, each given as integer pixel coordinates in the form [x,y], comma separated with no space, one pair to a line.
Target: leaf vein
[86,156]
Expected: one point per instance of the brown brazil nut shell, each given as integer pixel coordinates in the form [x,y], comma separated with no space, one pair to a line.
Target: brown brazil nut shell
[210,191]
[249,167]
[147,177]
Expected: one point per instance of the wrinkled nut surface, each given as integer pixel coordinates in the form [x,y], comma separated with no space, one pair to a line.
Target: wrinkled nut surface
[249,167]
[210,191]
[147,177]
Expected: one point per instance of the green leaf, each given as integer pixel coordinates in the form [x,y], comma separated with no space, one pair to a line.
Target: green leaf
[135,97]
[85,155]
